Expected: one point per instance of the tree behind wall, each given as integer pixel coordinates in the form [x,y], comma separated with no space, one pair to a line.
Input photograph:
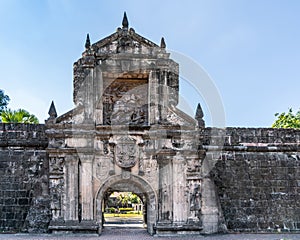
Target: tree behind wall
[4,99]
[287,120]
[18,116]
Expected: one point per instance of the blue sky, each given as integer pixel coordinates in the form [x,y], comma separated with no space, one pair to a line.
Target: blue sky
[251,49]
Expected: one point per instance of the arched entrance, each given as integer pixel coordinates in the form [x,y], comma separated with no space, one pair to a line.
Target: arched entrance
[124,209]
[132,184]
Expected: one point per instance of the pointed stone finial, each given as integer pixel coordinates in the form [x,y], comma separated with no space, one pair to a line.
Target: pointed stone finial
[162,43]
[52,111]
[199,112]
[87,42]
[125,23]
[199,116]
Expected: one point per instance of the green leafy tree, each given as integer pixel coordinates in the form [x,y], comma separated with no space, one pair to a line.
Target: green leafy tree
[287,120]
[4,99]
[18,116]
[123,200]
[134,198]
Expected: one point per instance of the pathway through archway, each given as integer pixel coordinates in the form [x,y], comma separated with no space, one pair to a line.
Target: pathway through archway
[124,209]
[118,186]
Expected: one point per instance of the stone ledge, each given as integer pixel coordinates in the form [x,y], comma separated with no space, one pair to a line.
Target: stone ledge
[73,226]
[242,148]
[175,230]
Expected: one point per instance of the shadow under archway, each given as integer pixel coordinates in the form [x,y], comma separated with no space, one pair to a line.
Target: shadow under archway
[132,184]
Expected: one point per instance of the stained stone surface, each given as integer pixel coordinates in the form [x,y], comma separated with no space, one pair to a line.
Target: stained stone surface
[257,177]
[125,133]
[23,178]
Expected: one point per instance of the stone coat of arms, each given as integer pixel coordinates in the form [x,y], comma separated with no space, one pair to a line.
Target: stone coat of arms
[126,152]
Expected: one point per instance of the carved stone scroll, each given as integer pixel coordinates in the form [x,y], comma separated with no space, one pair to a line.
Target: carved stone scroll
[56,185]
[194,189]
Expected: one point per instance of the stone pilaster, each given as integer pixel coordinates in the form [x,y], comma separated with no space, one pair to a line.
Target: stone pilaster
[98,80]
[163,95]
[179,196]
[154,101]
[86,186]
[89,93]
[71,188]
[165,189]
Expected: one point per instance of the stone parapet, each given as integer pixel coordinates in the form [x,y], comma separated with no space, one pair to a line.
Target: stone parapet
[23,135]
[250,136]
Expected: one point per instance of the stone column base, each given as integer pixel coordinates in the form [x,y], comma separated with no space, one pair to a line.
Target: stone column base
[173,230]
[60,227]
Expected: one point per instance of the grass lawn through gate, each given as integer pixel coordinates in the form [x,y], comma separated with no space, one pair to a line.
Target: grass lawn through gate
[123,215]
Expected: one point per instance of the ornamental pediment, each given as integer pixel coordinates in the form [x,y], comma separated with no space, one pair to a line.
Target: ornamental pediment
[124,41]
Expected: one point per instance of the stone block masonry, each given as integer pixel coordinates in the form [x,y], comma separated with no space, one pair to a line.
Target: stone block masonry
[23,178]
[257,175]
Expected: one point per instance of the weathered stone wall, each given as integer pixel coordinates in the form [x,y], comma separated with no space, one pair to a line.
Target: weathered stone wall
[257,174]
[24,204]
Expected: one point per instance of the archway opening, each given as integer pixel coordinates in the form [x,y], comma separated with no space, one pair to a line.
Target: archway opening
[124,209]
[132,184]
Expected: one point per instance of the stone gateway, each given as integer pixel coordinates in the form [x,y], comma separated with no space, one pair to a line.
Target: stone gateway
[126,134]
